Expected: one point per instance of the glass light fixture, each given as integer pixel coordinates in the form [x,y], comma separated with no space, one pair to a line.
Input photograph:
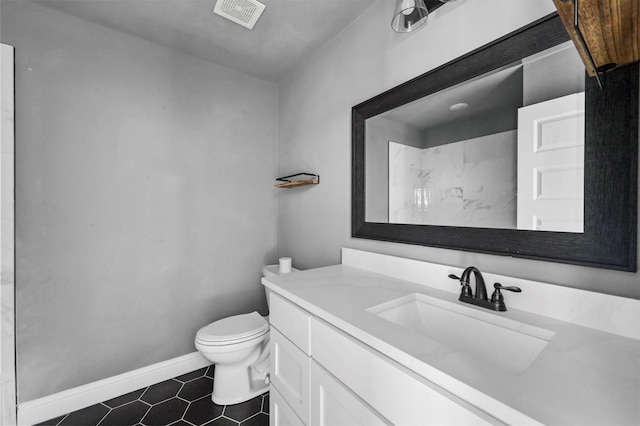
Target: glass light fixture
[409,15]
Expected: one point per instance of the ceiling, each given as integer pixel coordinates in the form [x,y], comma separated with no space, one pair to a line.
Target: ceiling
[498,90]
[287,32]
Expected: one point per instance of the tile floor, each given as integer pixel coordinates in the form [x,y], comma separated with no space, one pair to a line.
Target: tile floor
[182,401]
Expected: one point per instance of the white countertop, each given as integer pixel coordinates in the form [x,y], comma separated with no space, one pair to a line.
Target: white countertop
[583,376]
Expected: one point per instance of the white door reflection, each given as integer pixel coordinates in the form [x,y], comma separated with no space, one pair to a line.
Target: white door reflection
[551,165]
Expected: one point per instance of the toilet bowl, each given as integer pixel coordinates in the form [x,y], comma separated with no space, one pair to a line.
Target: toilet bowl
[239,348]
[234,344]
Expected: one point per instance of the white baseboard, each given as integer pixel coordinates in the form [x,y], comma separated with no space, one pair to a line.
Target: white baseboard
[58,404]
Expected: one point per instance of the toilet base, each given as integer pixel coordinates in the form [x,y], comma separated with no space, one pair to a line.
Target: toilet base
[233,385]
[239,400]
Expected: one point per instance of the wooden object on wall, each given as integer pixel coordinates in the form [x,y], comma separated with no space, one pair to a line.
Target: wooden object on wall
[297,183]
[611,30]
[298,179]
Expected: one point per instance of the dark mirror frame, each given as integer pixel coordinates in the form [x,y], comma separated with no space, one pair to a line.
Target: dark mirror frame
[611,162]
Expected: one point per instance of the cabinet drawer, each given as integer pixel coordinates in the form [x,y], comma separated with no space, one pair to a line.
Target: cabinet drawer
[280,414]
[290,373]
[332,404]
[377,380]
[290,320]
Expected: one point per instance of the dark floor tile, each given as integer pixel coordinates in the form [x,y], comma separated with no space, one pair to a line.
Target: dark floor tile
[124,399]
[161,391]
[137,408]
[196,389]
[240,412]
[211,370]
[89,416]
[202,411]
[181,423]
[223,421]
[260,419]
[193,375]
[52,422]
[165,413]
[126,415]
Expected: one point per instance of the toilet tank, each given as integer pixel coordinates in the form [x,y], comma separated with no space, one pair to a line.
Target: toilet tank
[270,271]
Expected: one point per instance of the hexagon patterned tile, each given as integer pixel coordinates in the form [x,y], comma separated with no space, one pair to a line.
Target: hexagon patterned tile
[183,400]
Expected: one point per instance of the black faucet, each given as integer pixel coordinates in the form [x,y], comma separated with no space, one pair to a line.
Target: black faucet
[480,297]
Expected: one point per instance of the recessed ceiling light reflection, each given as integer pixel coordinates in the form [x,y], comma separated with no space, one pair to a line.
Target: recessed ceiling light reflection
[459,107]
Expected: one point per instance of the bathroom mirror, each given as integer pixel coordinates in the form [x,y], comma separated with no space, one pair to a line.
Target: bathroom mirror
[601,231]
[468,155]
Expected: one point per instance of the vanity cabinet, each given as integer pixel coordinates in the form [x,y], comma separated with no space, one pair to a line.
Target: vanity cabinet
[332,403]
[290,362]
[398,395]
[280,411]
[323,376]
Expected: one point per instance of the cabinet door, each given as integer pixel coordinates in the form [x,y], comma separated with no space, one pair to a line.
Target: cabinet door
[291,321]
[398,394]
[281,414]
[332,404]
[290,373]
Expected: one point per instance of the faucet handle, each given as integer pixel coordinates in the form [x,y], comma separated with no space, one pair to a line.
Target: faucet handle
[466,289]
[498,299]
[499,287]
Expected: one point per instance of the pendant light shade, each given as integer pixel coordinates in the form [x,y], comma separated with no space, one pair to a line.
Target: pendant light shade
[409,15]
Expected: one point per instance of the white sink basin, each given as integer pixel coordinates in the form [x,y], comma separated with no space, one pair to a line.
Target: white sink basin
[510,344]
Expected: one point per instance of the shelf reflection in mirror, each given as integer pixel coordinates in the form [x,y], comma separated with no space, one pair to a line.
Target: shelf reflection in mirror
[502,150]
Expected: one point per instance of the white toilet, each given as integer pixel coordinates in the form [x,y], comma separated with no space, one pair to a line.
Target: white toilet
[239,347]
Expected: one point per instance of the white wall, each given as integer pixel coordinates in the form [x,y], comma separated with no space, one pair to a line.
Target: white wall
[7,231]
[145,199]
[315,133]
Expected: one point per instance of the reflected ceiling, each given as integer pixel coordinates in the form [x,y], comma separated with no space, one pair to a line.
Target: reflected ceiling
[497,91]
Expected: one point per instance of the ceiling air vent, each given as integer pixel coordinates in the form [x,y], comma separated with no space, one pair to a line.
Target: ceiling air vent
[243,12]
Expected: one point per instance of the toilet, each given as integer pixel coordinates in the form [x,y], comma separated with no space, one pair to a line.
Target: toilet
[239,348]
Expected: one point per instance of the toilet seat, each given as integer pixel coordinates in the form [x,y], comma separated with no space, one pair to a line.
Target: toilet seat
[233,330]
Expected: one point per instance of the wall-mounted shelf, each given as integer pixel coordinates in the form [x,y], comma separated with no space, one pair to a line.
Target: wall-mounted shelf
[605,32]
[298,179]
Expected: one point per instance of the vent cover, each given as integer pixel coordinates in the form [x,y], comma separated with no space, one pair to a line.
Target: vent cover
[243,12]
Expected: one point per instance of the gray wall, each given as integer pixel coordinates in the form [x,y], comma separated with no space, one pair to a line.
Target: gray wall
[361,62]
[379,132]
[481,125]
[553,76]
[145,199]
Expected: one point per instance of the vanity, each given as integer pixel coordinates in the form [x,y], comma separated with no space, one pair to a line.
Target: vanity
[384,340]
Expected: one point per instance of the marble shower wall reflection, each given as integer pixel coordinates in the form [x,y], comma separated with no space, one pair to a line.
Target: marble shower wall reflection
[467,183]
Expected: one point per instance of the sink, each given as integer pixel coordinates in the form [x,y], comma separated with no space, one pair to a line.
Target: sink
[510,344]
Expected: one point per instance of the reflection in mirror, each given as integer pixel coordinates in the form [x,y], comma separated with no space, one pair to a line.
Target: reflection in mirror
[502,150]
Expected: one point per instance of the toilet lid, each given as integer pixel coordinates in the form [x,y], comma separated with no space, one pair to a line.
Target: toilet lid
[233,328]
